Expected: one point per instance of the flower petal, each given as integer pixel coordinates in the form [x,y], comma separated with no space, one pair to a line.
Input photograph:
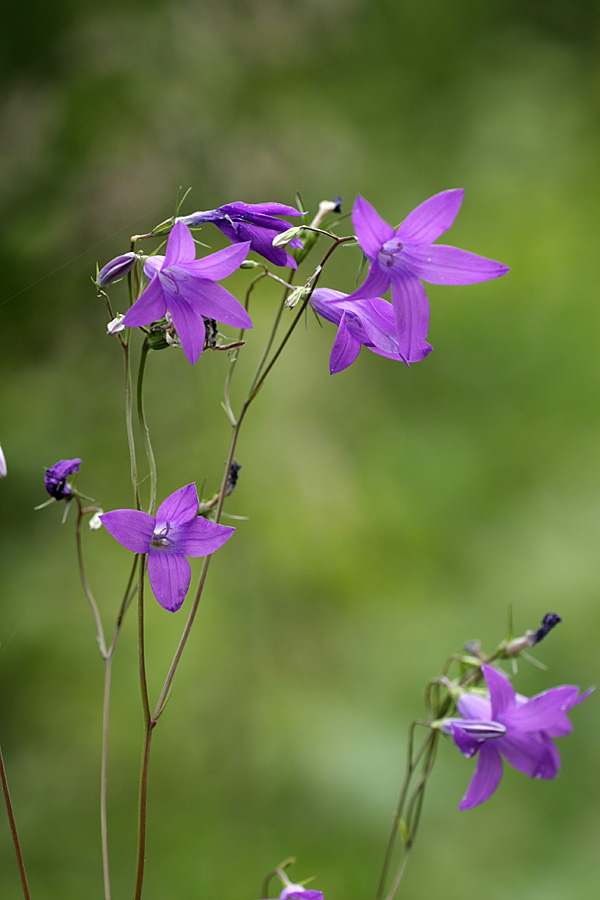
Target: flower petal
[345,348]
[486,778]
[371,230]
[130,527]
[219,265]
[201,537]
[151,306]
[181,247]
[411,314]
[544,710]
[375,284]
[190,327]
[170,575]
[473,706]
[428,221]
[214,302]
[533,754]
[502,693]
[440,264]
[179,507]
[470,734]
[153,265]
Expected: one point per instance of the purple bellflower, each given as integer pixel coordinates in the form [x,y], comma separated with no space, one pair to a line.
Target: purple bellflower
[511,726]
[185,286]
[406,256]
[299,892]
[168,538]
[55,478]
[116,269]
[254,222]
[361,322]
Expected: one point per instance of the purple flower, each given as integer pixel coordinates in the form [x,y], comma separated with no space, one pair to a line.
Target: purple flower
[174,533]
[511,726]
[404,256]
[254,222]
[115,269]
[299,892]
[368,322]
[55,478]
[185,286]
[3,469]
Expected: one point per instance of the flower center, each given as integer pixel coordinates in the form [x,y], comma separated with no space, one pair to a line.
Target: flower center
[169,280]
[389,253]
[161,538]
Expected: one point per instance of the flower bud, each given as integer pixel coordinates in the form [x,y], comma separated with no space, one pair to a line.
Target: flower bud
[298,295]
[95,522]
[116,325]
[3,470]
[116,269]
[284,237]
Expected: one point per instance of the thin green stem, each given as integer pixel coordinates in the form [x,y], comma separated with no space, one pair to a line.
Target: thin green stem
[148,728]
[86,587]
[13,828]
[129,426]
[104,776]
[144,426]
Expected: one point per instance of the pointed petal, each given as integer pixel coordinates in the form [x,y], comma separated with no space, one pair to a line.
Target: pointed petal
[150,306]
[411,314]
[222,263]
[428,221]
[533,754]
[377,320]
[170,575]
[486,778]
[375,284]
[214,302]
[439,264]
[371,230]
[470,734]
[181,247]
[201,537]
[153,265]
[179,507]
[270,209]
[345,349]
[189,326]
[544,710]
[472,706]
[130,527]
[502,693]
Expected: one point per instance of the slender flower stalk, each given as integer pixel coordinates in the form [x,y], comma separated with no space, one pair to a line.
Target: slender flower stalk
[13,829]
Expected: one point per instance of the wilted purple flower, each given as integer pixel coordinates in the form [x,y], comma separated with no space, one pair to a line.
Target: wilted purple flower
[254,222]
[511,726]
[361,322]
[55,478]
[115,269]
[174,533]
[402,257]
[3,469]
[185,286]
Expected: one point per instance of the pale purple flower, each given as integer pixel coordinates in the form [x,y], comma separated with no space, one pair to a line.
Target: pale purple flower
[186,287]
[55,478]
[299,892]
[511,726]
[254,222]
[175,532]
[406,256]
[115,269]
[361,322]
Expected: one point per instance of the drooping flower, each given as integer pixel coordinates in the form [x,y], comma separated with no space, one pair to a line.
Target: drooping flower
[186,287]
[174,533]
[361,322]
[406,256]
[511,726]
[55,478]
[115,269]
[254,222]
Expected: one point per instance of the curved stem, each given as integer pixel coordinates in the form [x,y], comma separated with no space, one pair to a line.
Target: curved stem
[144,426]
[13,829]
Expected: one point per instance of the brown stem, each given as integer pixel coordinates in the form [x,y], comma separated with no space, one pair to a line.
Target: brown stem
[13,829]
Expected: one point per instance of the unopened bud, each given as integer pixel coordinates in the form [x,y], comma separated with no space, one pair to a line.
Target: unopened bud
[298,295]
[249,264]
[284,237]
[116,325]
[116,269]
[3,470]
[95,522]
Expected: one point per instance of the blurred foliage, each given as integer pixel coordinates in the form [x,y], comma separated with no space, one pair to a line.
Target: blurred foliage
[393,514]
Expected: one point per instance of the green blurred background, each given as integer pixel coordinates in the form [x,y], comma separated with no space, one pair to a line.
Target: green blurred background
[392,514]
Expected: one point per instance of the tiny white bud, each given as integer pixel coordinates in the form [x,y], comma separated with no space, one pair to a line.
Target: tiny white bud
[298,294]
[116,325]
[3,469]
[280,240]
[95,522]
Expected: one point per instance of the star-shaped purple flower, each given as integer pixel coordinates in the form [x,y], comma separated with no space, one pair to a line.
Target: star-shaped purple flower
[405,256]
[511,726]
[168,538]
[361,322]
[55,478]
[254,222]
[185,286]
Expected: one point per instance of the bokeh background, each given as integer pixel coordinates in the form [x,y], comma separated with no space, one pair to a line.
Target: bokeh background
[392,514]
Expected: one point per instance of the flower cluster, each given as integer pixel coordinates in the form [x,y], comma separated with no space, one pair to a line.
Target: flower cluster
[506,724]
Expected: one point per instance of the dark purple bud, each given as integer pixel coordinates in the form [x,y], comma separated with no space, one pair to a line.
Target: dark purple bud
[55,478]
[115,269]
[232,478]
[549,622]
